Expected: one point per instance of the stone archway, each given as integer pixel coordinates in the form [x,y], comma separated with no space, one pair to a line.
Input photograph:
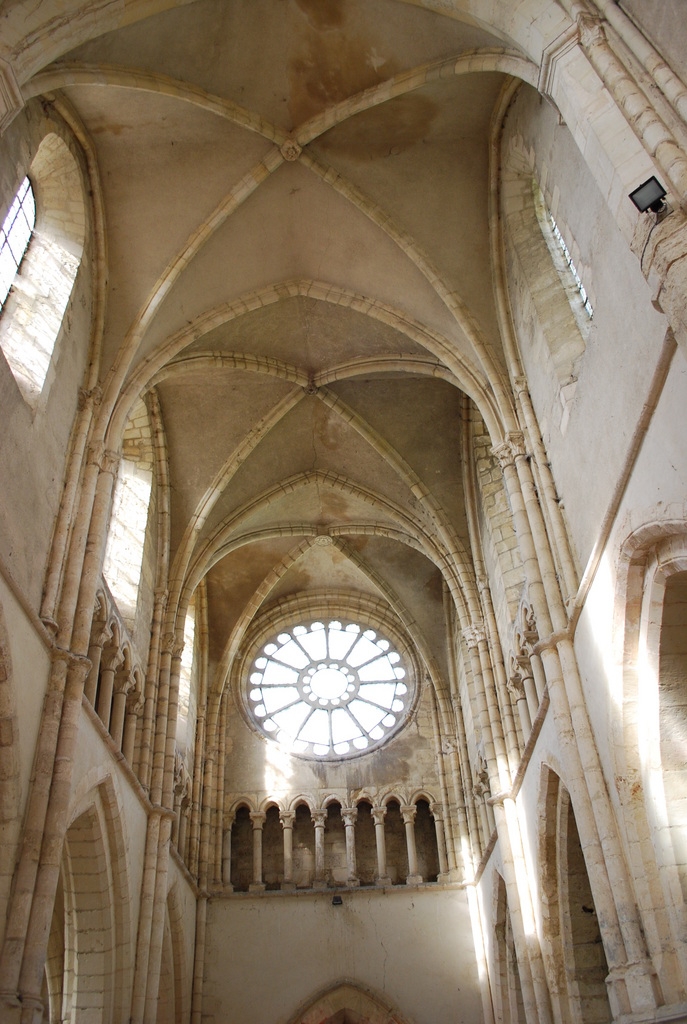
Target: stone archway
[346,1003]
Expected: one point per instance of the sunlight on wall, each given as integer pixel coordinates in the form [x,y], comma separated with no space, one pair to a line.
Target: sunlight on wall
[126,539]
[185,677]
[600,608]
[521,878]
[278,770]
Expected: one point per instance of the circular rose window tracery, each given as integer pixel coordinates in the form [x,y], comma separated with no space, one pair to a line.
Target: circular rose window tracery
[328,689]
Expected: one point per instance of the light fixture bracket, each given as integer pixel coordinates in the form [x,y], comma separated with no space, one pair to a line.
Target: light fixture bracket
[650,195]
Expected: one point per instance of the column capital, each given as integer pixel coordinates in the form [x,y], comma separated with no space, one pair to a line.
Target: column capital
[378,815]
[287,818]
[591,29]
[474,634]
[349,815]
[100,633]
[437,811]
[124,681]
[409,812]
[516,686]
[134,702]
[318,818]
[258,818]
[510,449]
[111,659]
[167,643]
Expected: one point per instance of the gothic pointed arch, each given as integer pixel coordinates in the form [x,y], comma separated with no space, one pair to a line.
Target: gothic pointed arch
[348,1003]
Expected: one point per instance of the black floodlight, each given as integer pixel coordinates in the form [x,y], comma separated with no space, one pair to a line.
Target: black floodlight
[649,196]
[337,901]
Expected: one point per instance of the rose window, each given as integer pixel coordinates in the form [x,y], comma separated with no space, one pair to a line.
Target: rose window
[328,689]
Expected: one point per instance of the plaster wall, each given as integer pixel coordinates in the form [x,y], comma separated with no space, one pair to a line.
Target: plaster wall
[663,22]
[654,488]
[412,949]
[624,338]
[30,670]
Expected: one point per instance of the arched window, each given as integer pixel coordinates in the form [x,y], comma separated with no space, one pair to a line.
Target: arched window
[42,245]
[128,525]
[15,236]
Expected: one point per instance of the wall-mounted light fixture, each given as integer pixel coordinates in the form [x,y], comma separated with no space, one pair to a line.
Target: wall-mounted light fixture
[336,901]
[650,195]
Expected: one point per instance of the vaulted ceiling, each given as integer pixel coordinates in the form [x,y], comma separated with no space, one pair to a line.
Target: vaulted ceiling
[295,201]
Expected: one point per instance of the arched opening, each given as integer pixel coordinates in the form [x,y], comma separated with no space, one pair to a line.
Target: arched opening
[572,929]
[426,843]
[509,987]
[396,845]
[82,940]
[126,541]
[672,694]
[303,848]
[35,308]
[347,1004]
[365,844]
[272,849]
[242,850]
[336,870]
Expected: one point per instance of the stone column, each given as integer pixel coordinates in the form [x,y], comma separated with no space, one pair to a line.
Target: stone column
[111,660]
[123,684]
[183,824]
[226,855]
[319,818]
[517,688]
[349,815]
[287,819]
[409,812]
[378,816]
[258,819]
[100,634]
[528,682]
[134,709]
[482,792]
[438,815]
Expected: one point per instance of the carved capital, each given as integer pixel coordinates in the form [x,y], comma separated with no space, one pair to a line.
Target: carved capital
[124,681]
[378,815]
[409,812]
[135,703]
[437,811]
[111,659]
[318,818]
[258,818]
[349,815]
[167,643]
[516,686]
[109,462]
[90,398]
[509,450]
[474,634]
[287,819]
[591,29]
[100,634]
[530,632]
